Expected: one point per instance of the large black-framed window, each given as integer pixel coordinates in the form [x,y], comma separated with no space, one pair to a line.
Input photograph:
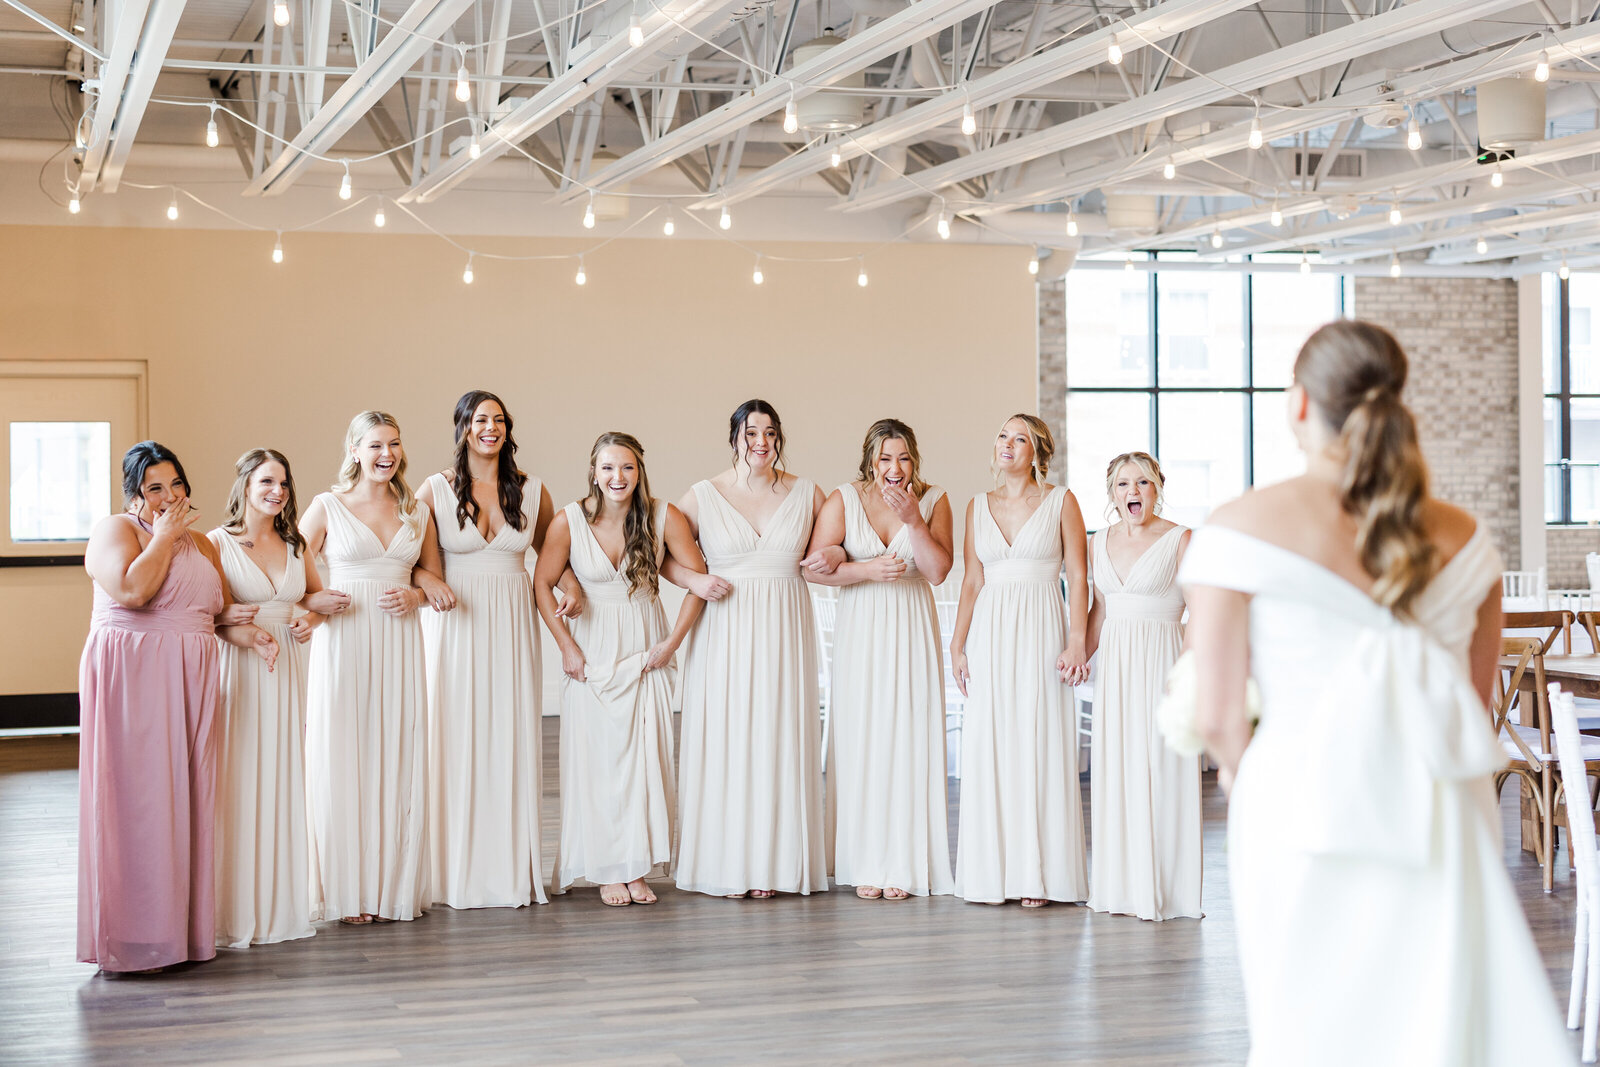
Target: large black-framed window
[1571,361]
[1190,366]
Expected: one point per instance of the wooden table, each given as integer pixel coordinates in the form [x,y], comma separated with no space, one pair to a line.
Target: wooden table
[1577,674]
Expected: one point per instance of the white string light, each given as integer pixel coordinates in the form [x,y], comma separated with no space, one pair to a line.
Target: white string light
[635,28]
[1414,135]
[861,274]
[212,139]
[1277,214]
[836,158]
[1305,263]
[943,225]
[725,222]
[1564,273]
[791,114]
[757,276]
[1497,178]
[580,278]
[280,12]
[172,207]
[1541,69]
[1256,139]
[1483,246]
[1394,215]
[74,205]
[277,249]
[1033,264]
[474,149]
[463,86]
[1127,264]
[1394,264]
[588,213]
[1072,224]
[466,273]
[344,184]
[379,219]
[1114,53]
[1170,170]
[1216,238]
[668,228]
[969,121]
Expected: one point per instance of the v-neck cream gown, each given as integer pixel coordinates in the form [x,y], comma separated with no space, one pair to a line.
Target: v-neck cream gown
[263,859]
[750,766]
[366,731]
[484,691]
[616,726]
[1144,798]
[886,758]
[1020,830]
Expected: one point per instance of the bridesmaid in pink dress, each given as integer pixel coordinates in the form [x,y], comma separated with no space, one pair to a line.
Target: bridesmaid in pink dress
[147,689]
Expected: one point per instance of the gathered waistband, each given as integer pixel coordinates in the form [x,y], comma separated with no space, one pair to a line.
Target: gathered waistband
[117,617]
[485,561]
[1022,570]
[275,613]
[1141,608]
[756,565]
[370,570]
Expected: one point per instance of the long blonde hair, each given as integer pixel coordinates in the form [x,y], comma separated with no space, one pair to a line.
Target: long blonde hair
[350,472]
[1149,467]
[285,522]
[1353,372]
[1042,440]
[888,430]
[639,527]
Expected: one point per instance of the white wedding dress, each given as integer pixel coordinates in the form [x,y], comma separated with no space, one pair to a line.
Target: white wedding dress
[484,692]
[1020,829]
[750,758]
[1144,798]
[1376,921]
[886,759]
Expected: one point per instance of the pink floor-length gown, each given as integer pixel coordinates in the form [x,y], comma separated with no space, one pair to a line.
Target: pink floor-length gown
[147,689]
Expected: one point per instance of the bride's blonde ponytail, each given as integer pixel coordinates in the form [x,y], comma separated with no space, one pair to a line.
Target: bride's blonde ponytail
[1353,372]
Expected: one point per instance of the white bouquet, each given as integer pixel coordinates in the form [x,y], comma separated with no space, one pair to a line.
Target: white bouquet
[1175,715]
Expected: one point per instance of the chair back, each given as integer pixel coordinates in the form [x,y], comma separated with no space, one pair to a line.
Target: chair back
[1591,563]
[1507,689]
[1569,753]
[1523,583]
[1553,623]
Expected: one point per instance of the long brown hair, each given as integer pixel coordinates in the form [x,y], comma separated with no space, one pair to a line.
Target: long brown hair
[888,430]
[285,523]
[639,528]
[508,478]
[1353,372]
[350,472]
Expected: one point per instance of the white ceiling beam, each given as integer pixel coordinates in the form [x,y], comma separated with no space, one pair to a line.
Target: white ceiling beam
[1499,225]
[1394,26]
[494,58]
[1155,24]
[142,32]
[401,47]
[859,51]
[604,50]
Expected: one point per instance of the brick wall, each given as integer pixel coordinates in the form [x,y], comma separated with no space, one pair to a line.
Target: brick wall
[1053,361]
[1461,335]
[1566,547]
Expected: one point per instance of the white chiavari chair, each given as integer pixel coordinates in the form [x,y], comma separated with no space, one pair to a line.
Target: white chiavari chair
[1583,1005]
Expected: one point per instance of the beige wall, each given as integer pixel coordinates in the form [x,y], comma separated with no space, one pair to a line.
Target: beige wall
[664,341]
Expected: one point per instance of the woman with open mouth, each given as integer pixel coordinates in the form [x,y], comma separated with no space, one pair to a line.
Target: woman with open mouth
[1014,656]
[366,708]
[1144,798]
[750,762]
[147,690]
[886,758]
[263,857]
[617,802]
[485,685]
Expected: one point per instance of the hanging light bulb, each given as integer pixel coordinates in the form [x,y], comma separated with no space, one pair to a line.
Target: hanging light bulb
[379,219]
[1414,135]
[943,226]
[1394,265]
[277,250]
[1256,140]
[791,114]
[474,149]
[726,221]
[588,213]
[1114,53]
[580,278]
[668,228]
[466,274]
[1072,224]
[74,205]
[280,12]
[861,276]
[1127,264]
[1277,215]
[463,86]
[1216,238]
[1033,264]
[1482,246]
[1541,69]
[212,140]
[1564,273]
[1305,263]
[757,276]
[635,29]
[1169,170]
[1497,178]
[344,184]
[172,208]
[1394,214]
[836,158]
[969,121]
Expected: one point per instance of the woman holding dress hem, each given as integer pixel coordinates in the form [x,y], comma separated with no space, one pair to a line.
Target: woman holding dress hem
[1013,654]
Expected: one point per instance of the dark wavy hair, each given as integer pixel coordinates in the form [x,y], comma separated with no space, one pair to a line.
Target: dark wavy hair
[509,480]
[639,528]
[286,522]
[741,415]
[138,460]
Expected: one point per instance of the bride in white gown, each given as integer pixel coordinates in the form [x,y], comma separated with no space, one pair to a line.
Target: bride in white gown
[1376,920]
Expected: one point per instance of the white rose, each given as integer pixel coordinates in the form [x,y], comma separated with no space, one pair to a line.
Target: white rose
[1175,714]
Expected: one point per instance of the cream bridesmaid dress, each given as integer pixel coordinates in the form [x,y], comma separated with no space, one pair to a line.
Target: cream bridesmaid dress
[616,727]
[886,758]
[1020,830]
[366,731]
[750,766]
[1144,798]
[484,691]
[263,860]
[1376,921]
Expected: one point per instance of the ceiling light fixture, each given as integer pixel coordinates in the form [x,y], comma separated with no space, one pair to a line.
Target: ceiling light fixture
[466,274]
[1482,246]
[463,86]
[1277,214]
[1497,178]
[344,184]
[1169,170]
[726,221]
[580,278]
[212,140]
[172,207]
[280,12]
[1394,264]
[1114,53]
[757,276]
[1541,69]
[861,274]
[1414,135]
[1305,263]
[969,121]
[277,249]
[1394,214]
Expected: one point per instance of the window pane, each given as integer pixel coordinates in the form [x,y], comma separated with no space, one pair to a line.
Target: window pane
[1100,426]
[1200,317]
[60,479]
[1552,493]
[1550,341]
[1583,297]
[1108,328]
[1277,456]
[1284,310]
[1552,459]
[1202,452]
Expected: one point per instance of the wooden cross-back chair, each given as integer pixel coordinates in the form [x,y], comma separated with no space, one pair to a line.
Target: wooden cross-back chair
[1555,623]
[1528,746]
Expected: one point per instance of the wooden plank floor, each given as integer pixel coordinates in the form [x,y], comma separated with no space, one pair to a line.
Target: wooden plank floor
[825,979]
